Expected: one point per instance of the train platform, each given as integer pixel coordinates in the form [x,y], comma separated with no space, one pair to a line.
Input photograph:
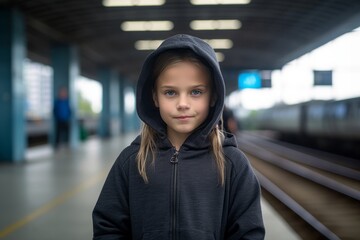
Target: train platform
[52,194]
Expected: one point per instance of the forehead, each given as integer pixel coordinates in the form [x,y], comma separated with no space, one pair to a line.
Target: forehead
[184,71]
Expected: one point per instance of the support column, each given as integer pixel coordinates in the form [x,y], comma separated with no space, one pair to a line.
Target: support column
[122,107]
[129,118]
[114,104]
[104,77]
[65,65]
[12,88]
[134,118]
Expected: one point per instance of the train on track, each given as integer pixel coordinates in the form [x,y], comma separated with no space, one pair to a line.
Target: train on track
[330,124]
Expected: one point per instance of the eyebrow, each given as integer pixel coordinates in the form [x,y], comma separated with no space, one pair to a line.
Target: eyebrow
[194,86]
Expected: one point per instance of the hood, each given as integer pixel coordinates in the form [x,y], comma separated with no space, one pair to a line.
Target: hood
[145,106]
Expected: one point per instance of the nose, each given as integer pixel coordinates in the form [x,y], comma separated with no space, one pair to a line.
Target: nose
[183,102]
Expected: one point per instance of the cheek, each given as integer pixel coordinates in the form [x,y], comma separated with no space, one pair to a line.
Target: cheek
[204,105]
[163,104]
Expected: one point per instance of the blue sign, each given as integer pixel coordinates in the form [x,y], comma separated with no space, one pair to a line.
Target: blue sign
[249,80]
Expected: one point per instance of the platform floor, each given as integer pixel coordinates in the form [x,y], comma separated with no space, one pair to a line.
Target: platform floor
[52,194]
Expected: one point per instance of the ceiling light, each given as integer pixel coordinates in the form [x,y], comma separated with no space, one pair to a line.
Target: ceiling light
[147,26]
[154,44]
[131,3]
[147,44]
[219,43]
[219,2]
[220,56]
[215,24]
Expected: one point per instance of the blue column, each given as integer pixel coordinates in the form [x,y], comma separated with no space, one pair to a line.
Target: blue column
[129,119]
[114,104]
[123,123]
[64,60]
[12,89]
[134,118]
[104,77]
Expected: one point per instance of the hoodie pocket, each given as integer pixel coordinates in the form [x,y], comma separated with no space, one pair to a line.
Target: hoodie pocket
[183,234]
[194,234]
[156,235]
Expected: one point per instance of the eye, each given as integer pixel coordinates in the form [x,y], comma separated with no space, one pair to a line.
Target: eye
[196,92]
[169,93]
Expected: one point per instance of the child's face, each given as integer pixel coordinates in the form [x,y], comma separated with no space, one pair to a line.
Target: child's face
[182,94]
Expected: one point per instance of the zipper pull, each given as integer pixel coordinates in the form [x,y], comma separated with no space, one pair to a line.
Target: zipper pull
[174,158]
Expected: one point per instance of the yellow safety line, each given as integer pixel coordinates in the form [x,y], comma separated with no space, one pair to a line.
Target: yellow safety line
[54,203]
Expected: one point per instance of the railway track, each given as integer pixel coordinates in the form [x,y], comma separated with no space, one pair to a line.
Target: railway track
[319,198]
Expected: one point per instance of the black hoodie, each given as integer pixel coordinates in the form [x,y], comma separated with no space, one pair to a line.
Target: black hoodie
[183,200]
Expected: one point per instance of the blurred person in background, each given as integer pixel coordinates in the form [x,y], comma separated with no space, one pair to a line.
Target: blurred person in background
[229,121]
[62,116]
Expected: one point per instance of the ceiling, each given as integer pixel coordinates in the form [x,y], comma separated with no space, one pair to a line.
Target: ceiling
[273,32]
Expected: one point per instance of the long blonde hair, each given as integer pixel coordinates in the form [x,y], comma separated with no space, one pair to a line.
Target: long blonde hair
[149,136]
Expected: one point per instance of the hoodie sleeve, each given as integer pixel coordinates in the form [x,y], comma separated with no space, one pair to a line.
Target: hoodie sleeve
[244,216]
[111,218]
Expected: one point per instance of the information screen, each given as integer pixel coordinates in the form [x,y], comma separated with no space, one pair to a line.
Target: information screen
[322,78]
[249,80]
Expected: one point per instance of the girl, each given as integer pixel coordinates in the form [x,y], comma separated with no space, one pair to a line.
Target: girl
[181,178]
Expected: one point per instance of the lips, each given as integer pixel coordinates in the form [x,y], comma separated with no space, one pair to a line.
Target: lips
[183,117]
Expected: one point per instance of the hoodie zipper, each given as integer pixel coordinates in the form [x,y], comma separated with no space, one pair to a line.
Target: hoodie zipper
[174,161]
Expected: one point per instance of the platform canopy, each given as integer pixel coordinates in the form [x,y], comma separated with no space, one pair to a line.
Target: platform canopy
[258,34]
